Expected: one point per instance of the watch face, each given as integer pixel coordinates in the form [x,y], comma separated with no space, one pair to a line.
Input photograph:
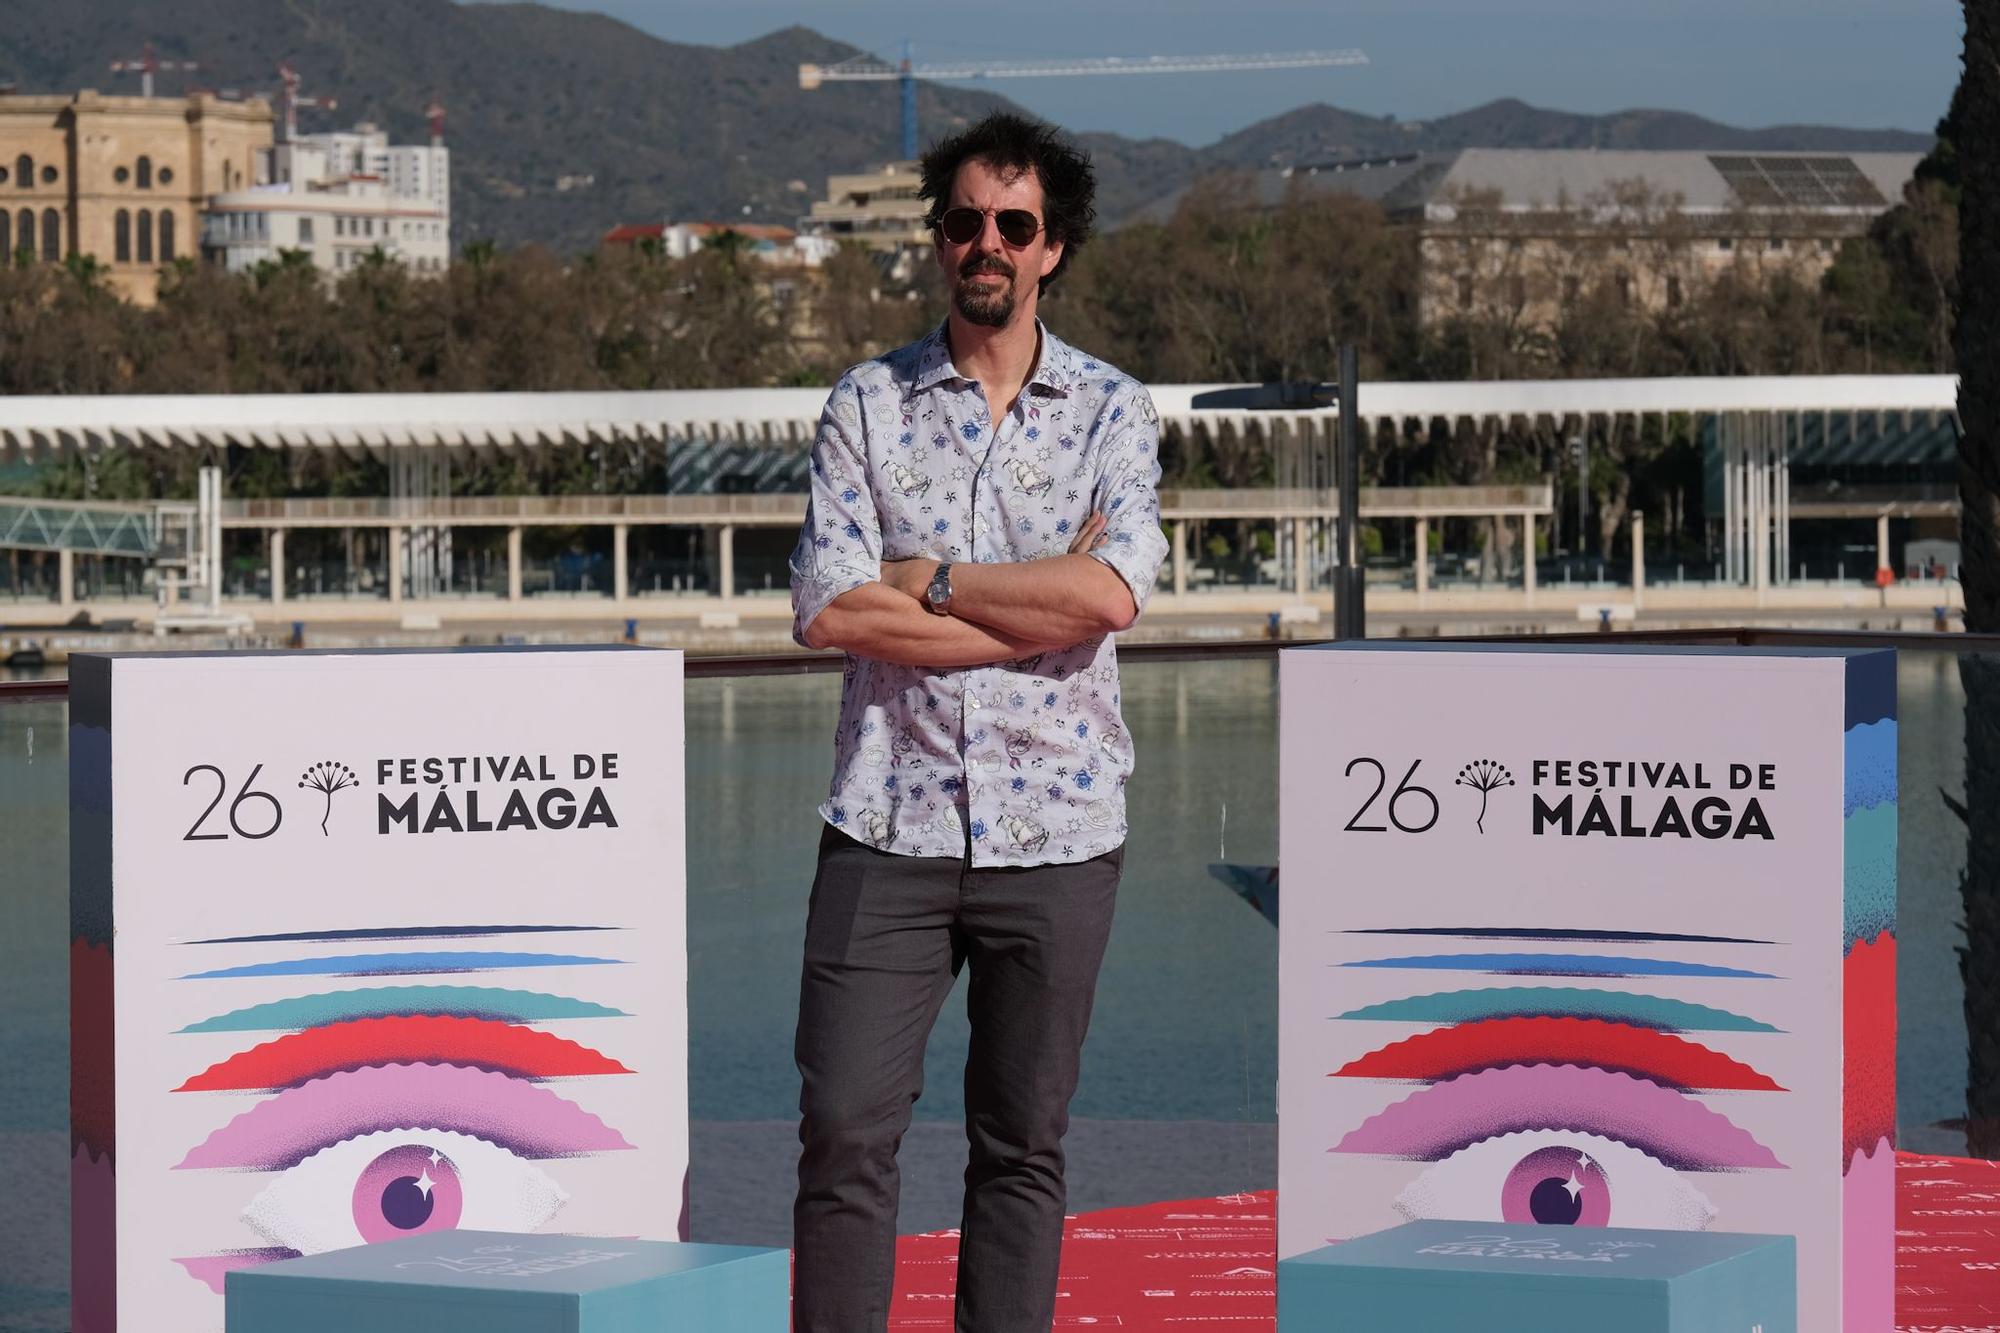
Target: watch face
[937,593]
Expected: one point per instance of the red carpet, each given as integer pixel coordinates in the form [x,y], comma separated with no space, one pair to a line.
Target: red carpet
[1207,1263]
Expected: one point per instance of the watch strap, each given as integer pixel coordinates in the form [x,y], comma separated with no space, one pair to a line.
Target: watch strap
[937,595]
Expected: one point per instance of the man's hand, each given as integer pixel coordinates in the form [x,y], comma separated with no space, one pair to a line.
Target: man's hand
[1090,536]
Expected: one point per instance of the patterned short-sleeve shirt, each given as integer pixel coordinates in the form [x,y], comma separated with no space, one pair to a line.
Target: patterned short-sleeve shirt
[1025,759]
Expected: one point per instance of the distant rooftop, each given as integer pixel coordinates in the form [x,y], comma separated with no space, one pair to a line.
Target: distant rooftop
[1535,179]
[1396,182]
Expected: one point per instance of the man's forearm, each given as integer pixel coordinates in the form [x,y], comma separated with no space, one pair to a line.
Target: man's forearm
[877,621]
[1063,599]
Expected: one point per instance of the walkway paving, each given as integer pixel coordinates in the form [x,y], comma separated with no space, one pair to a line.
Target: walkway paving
[1209,1263]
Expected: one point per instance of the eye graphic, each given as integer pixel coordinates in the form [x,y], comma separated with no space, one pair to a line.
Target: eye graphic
[1645,1011]
[401,1183]
[396,1109]
[1674,1129]
[1556,1178]
[294,1059]
[524,1118]
[1491,1043]
[404,1190]
[1560,965]
[307,1011]
[346,1145]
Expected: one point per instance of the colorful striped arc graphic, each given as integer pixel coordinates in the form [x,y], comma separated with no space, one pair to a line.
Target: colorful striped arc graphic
[306,1011]
[1560,965]
[474,1042]
[1615,1006]
[1468,1048]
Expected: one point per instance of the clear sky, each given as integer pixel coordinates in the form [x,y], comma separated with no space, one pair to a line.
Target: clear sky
[1858,63]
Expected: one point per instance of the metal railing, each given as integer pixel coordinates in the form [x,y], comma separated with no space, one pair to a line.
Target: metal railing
[721,665]
[1263,502]
[94,527]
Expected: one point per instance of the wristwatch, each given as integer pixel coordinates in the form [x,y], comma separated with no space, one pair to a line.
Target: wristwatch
[937,596]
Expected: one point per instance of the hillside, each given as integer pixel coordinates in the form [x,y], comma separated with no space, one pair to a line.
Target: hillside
[1322,133]
[563,123]
[534,97]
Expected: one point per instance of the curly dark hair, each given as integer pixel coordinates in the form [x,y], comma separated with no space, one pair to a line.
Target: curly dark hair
[1012,144]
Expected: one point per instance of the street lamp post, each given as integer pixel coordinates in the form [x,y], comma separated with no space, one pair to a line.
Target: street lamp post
[1579,452]
[1350,611]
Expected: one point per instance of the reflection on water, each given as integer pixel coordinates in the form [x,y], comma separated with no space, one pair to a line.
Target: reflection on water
[1185,1027]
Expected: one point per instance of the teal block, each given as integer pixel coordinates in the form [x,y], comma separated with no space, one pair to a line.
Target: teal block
[1480,1277]
[493,1282]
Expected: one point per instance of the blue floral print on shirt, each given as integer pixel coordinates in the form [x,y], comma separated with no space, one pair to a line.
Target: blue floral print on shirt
[1027,759]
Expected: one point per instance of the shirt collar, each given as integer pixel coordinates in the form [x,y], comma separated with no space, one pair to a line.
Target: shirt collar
[1055,370]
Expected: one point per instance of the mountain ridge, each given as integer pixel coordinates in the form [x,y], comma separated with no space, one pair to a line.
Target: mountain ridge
[564,123]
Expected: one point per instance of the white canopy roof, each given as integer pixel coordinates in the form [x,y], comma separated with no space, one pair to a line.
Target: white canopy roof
[38,427]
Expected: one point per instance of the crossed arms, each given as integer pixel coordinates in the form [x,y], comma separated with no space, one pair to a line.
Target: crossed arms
[998,611]
[846,595]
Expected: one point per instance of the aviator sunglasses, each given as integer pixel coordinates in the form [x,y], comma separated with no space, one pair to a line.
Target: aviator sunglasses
[1017,225]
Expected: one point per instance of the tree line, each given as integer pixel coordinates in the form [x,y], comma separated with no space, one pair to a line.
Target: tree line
[1225,290]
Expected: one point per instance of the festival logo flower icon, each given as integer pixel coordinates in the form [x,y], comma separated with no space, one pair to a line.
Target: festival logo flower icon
[328,776]
[1484,776]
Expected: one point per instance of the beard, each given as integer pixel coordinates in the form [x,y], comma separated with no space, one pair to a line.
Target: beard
[977,304]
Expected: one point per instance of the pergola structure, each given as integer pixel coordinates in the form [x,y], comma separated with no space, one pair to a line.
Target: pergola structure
[1757,422]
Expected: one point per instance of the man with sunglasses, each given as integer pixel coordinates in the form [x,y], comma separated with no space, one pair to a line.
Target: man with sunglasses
[983,517]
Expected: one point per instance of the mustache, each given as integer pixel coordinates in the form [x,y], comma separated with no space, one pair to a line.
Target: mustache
[979,264]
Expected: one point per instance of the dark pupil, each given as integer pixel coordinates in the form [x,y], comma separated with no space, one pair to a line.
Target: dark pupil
[1552,1205]
[406,1207]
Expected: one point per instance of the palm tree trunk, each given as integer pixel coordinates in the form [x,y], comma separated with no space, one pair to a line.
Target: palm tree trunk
[1977,340]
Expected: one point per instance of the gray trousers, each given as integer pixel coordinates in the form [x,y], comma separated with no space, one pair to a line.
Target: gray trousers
[885,936]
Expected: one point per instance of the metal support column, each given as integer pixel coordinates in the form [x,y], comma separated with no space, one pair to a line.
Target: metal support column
[725,540]
[620,532]
[1423,560]
[1350,613]
[419,484]
[1638,556]
[1301,560]
[395,538]
[1758,475]
[1528,558]
[1180,558]
[1726,436]
[65,577]
[209,507]
[514,563]
[274,548]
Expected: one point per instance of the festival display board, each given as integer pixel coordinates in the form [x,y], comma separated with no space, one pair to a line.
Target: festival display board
[366,946]
[1593,937]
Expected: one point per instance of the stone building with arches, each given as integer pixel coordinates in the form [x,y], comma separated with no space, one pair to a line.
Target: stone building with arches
[124,180]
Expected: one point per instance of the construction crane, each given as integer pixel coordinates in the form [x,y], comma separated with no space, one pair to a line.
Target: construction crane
[290,101]
[870,69]
[146,66]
